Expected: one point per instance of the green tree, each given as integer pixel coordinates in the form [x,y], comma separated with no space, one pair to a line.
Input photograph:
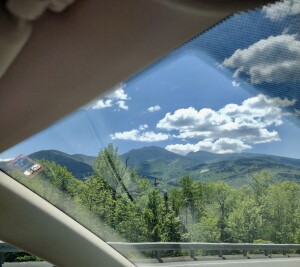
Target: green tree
[188,197]
[207,230]
[60,177]
[223,197]
[175,200]
[281,208]
[109,166]
[152,214]
[161,222]
[170,227]
[245,222]
[96,196]
[260,184]
[129,221]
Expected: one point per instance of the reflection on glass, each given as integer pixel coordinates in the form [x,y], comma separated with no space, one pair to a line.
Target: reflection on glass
[201,147]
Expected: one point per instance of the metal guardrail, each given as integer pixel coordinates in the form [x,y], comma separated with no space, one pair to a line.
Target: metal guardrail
[158,247]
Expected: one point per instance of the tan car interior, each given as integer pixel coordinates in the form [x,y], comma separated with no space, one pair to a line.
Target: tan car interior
[57,55]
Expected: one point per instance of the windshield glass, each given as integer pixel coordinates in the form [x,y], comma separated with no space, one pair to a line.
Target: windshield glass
[203,146]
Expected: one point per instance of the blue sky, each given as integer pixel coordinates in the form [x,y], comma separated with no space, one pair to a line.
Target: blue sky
[228,90]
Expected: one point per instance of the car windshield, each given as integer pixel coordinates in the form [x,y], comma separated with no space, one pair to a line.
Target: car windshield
[200,148]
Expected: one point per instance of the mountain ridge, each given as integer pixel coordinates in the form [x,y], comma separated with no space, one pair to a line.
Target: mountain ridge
[79,168]
[158,163]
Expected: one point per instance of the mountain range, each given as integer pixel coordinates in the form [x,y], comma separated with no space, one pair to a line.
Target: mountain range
[79,165]
[167,167]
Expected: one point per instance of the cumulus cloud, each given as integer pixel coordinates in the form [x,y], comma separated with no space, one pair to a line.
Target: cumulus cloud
[122,104]
[220,146]
[143,127]
[235,83]
[189,119]
[117,99]
[154,108]
[232,128]
[275,59]
[282,9]
[297,112]
[140,135]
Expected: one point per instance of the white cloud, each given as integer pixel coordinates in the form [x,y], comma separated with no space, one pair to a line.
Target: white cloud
[122,104]
[154,108]
[118,93]
[140,135]
[260,110]
[220,146]
[232,128]
[189,119]
[275,59]
[100,104]
[235,83]
[143,127]
[297,112]
[117,98]
[5,160]
[282,9]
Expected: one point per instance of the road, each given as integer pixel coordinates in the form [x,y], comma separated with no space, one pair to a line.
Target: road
[27,264]
[284,262]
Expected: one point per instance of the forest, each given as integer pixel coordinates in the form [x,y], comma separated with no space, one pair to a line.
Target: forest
[117,204]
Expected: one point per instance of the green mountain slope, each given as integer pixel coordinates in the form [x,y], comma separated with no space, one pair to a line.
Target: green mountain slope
[74,164]
[235,169]
[237,172]
[167,167]
[208,157]
[151,154]
[85,159]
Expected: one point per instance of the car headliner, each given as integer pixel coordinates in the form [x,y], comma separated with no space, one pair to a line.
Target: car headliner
[71,58]
[74,56]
